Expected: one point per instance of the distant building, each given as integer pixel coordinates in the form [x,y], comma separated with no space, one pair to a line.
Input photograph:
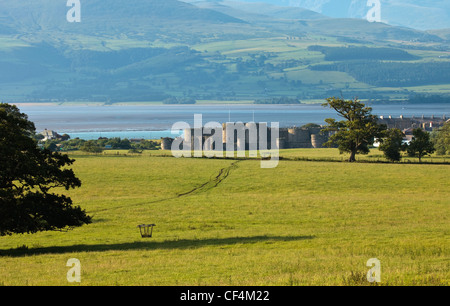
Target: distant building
[403,123]
[407,125]
[289,138]
[50,135]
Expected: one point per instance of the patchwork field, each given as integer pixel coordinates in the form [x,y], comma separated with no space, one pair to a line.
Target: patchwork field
[229,222]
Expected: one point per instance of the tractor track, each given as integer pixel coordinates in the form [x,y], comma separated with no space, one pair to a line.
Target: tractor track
[212,183]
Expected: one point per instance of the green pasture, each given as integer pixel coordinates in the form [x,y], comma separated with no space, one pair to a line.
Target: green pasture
[229,222]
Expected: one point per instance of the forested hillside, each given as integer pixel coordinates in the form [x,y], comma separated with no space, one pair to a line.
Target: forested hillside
[155,51]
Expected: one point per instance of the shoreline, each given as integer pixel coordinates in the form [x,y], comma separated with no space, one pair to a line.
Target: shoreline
[199,103]
[242,103]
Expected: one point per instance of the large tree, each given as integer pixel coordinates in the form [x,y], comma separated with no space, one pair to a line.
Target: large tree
[392,144]
[28,174]
[357,132]
[441,139]
[421,144]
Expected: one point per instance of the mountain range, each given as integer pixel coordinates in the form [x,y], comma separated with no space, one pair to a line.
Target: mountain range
[421,15]
[155,50]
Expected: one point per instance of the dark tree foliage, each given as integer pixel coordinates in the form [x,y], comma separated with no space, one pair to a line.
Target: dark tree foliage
[392,74]
[357,132]
[279,100]
[363,53]
[392,144]
[27,176]
[90,146]
[175,100]
[441,139]
[421,144]
[429,99]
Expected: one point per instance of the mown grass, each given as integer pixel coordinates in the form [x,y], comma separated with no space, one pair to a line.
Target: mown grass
[302,223]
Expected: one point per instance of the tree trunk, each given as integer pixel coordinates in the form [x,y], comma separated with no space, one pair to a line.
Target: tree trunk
[352,157]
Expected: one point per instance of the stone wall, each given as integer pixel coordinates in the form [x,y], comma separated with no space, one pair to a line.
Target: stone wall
[289,138]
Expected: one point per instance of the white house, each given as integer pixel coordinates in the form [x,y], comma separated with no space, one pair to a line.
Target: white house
[49,135]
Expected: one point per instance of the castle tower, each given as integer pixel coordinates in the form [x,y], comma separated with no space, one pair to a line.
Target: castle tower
[317,140]
[166,143]
[252,135]
[281,143]
[299,138]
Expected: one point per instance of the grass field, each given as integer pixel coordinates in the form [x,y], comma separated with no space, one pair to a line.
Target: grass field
[229,222]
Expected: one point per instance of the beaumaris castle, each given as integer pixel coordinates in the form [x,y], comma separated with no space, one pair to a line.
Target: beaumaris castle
[288,138]
[309,136]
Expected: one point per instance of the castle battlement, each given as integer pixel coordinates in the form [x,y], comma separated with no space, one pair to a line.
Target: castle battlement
[289,138]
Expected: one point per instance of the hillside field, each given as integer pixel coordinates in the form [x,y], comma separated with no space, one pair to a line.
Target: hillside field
[229,222]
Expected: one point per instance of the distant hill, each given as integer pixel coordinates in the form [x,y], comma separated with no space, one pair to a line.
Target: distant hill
[422,15]
[443,33]
[107,17]
[253,11]
[182,22]
[363,29]
[156,50]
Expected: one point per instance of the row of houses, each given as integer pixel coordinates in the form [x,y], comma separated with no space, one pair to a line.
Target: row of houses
[404,123]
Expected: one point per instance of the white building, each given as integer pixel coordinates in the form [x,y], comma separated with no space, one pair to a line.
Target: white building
[49,135]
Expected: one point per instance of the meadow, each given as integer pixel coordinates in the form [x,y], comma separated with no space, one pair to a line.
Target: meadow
[313,220]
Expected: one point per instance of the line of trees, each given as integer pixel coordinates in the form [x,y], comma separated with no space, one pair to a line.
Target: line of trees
[392,144]
[420,98]
[278,100]
[422,143]
[441,139]
[175,100]
[97,146]
[363,53]
[359,130]
[391,74]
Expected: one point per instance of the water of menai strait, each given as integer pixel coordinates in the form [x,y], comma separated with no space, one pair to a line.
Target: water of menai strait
[155,121]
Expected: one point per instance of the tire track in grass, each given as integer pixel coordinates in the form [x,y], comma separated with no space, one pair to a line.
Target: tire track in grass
[213,182]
